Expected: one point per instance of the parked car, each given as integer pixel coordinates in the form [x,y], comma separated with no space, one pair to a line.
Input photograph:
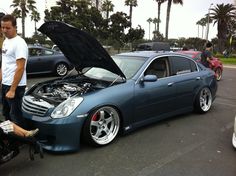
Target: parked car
[234,134]
[112,94]
[215,64]
[44,60]
[153,46]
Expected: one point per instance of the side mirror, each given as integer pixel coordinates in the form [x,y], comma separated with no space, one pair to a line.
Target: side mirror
[149,78]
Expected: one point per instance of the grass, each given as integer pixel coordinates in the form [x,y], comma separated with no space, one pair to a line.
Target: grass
[229,60]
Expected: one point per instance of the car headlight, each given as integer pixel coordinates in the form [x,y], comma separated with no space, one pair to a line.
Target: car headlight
[66,108]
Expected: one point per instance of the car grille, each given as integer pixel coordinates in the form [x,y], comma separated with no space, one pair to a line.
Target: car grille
[35,106]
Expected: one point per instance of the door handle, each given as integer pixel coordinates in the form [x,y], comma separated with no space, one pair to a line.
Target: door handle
[170,84]
[198,78]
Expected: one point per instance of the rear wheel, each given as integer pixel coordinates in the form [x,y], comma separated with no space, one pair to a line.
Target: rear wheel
[218,73]
[102,126]
[203,100]
[61,69]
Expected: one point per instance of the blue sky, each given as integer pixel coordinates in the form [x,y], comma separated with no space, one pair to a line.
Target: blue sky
[182,19]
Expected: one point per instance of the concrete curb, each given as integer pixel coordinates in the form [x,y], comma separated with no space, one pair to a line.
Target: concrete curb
[229,66]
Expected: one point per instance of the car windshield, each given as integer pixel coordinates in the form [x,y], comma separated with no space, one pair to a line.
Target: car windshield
[129,65]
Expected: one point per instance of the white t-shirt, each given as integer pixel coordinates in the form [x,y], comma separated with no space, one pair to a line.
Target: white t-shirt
[13,49]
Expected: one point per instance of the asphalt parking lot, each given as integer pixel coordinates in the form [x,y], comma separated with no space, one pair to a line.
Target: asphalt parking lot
[186,145]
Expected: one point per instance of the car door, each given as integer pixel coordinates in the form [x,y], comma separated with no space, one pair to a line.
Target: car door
[40,60]
[187,80]
[155,98]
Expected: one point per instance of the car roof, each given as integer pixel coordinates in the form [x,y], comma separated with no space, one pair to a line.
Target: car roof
[37,46]
[150,54]
[189,52]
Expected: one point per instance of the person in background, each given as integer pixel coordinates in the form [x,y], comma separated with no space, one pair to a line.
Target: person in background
[206,55]
[226,53]
[13,70]
[1,36]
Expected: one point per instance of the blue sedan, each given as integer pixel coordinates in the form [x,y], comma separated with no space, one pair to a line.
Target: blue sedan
[112,95]
[43,60]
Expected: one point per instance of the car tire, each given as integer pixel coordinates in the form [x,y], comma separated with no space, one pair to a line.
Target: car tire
[218,73]
[102,126]
[203,100]
[61,69]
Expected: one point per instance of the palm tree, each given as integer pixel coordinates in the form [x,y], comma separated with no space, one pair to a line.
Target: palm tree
[169,3]
[131,4]
[155,22]
[149,20]
[222,14]
[97,4]
[22,7]
[35,16]
[198,23]
[107,7]
[159,2]
[203,22]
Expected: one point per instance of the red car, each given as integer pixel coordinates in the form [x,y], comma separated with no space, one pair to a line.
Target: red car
[215,63]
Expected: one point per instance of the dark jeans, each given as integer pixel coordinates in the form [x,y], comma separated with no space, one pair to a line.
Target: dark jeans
[11,108]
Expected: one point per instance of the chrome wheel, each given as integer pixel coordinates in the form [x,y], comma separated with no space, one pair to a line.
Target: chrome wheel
[205,99]
[218,73]
[103,126]
[61,69]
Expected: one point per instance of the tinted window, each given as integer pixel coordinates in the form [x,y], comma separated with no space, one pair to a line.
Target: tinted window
[182,65]
[35,52]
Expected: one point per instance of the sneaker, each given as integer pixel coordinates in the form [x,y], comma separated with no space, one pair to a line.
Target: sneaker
[32,133]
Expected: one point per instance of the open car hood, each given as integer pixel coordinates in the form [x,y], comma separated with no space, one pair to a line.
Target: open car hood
[81,49]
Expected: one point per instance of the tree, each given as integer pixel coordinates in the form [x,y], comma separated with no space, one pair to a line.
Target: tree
[131,4]
[169,3]
[119,22]
[203,22]
[155,21]
[159,2]
[222,14]
[21,8]
[198,23]
[158,36]
[149,20]
[134,35]
[35,16]
[107,7]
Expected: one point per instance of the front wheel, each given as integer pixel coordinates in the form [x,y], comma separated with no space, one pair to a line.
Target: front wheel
[61,69]
[203,100]
[102,126]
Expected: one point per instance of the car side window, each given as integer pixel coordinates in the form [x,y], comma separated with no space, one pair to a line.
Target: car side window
[48,52]
[158,67]
[182,65]
[35,51]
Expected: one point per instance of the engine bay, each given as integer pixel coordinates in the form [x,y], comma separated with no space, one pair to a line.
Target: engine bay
[57,91]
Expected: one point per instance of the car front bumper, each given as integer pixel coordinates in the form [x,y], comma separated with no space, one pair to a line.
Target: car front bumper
[58,135]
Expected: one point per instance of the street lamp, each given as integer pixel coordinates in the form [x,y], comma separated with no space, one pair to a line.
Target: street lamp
[208,21]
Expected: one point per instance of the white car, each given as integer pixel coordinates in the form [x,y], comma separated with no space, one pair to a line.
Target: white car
[234,134]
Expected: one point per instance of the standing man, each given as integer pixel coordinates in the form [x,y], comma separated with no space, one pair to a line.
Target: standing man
[206,55]
[1,36]
[13,73]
